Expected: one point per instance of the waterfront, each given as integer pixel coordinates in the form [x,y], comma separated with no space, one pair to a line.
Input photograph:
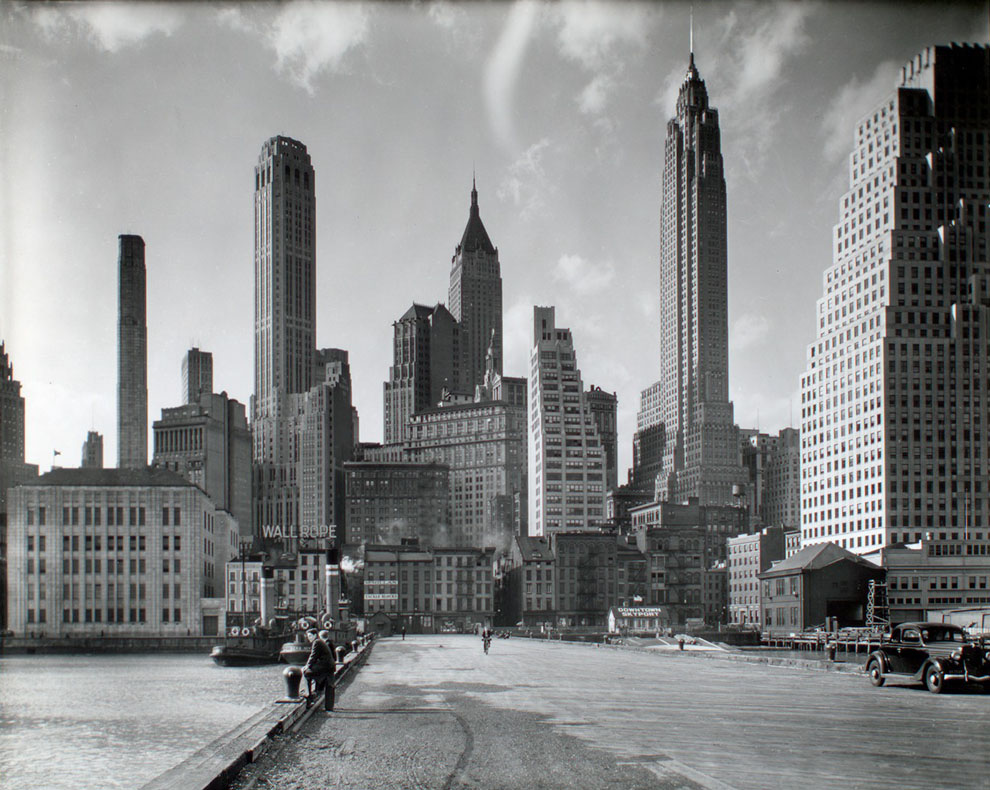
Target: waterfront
[117,721]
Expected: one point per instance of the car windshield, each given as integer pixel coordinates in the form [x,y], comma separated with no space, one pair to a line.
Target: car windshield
[935,634]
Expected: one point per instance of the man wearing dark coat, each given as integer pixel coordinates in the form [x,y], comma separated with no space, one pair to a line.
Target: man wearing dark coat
[320,666]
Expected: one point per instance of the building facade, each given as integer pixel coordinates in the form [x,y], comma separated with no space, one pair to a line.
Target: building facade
[115,552]
[604,407]
[747,556]
[483,444]
[782,481]
[894,403]
[388,502]
[209,444]
[700,456]
[284,321]
[947,569]
[586,577]
[531,596]
[429,590]
[821,583]
[475,297]
[132,355]
[567,481]
[326,441]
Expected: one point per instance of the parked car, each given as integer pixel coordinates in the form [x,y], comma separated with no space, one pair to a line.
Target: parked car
[930,653]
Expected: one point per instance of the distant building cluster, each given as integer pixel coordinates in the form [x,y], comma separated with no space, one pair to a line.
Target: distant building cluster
[496,499]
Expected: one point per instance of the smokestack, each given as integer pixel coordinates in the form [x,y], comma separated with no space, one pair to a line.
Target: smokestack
[333,581]
[132,356]
[267,594]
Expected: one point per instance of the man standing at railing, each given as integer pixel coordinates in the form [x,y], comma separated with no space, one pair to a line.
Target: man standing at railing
[320,667]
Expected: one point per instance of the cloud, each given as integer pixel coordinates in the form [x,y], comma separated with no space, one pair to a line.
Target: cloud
[748,330]
[854,100]
[502,71]
[110,26]
[597,36]
[310,38]
[582,275]
[525,184]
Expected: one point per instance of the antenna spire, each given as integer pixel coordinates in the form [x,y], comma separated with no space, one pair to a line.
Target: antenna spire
[691,33]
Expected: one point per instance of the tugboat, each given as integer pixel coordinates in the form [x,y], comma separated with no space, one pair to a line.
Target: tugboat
[259,643]
[246,647]
[296,652]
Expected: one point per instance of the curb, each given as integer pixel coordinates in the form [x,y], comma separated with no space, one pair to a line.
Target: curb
[216,765]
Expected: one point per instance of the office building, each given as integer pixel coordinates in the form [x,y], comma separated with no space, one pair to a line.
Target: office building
[475,297]
[895,399]
[284,321]
[701,455]
[92,451]
[389,502]
[120,552]
[782,481]
[748,556]
[567,484]
[132,355]
[426,366]
[326,441]
[483,444]
[604,407]
[209,444]
[197,375]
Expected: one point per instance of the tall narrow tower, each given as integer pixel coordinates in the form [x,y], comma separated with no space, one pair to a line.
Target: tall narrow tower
[476,297]
[700,457]
[132,356]
[284,319]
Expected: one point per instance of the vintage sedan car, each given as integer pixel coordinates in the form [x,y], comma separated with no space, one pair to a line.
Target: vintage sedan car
[930,653]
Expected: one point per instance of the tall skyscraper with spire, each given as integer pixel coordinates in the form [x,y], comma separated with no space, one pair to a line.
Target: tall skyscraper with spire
[895,399]
[284,320]
[476,297]
[132,355]
[701,453]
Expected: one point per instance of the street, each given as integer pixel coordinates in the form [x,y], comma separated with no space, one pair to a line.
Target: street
[435,711]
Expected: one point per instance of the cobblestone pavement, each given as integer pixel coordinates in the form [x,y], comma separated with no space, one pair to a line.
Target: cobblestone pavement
[435,712]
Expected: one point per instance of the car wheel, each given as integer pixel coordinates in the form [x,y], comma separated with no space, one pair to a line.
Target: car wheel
[875,673]
[934,681]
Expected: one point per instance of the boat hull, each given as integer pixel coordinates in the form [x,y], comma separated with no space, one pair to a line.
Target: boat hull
[247,652]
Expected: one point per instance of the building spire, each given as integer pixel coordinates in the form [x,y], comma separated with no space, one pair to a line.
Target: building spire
[691,34]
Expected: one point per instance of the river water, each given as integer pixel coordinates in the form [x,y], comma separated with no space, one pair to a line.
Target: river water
[117,721]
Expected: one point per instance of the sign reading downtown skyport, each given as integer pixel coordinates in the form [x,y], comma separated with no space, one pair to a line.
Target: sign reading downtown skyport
[298,531]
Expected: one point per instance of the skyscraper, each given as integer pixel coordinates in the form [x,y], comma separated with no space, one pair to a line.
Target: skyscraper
[284,319]
[197,375]
[567,484]
[700,457]
[476,297]
[895,398]
[426,355]
[132,356]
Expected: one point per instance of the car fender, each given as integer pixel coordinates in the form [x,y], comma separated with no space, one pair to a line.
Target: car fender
[938,663]
[880,656]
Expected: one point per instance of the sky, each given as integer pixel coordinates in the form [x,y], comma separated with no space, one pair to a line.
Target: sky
[149,118]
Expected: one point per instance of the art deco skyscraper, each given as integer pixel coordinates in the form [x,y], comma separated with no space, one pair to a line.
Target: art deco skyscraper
[895,399]
[700,457]
[284,319]
[132,356]
[476,297]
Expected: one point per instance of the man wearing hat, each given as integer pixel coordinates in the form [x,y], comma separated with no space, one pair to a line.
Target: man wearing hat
[320,666]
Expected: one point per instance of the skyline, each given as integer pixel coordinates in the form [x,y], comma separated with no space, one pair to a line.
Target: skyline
[525,72]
